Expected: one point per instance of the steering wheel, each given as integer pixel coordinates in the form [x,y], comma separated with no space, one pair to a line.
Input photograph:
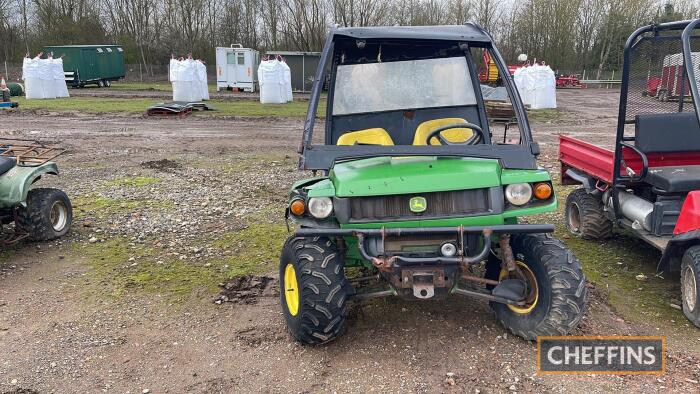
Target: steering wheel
[474,139]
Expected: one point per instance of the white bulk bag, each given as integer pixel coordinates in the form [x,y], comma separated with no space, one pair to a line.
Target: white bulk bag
[287,81]
[519,77]
[59,78]
[202,77]
[183,75]
[271,80]
[46,76]
[544,87]
[32,82]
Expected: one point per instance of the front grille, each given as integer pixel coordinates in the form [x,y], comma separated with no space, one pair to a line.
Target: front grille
[439,204]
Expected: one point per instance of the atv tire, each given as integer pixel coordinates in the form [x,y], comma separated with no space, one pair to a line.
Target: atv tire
[48,214]
[313,290]
[690,279]
[559,296]
[585,217]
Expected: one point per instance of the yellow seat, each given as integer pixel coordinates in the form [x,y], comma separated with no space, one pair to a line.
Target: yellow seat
[376,136]
[452,135]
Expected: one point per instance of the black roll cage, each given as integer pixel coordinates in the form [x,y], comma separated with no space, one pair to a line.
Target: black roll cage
[621,141]
[323,157]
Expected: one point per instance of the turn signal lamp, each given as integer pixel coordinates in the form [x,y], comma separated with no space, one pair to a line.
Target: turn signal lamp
[543,191]
[297,207]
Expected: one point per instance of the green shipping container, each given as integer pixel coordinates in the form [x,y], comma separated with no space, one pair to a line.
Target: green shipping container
[90,64]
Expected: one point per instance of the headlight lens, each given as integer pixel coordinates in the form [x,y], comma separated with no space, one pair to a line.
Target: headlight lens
[519,193]
[320,207]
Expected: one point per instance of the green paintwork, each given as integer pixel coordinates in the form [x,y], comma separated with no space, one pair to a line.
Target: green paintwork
[380,176]
[322,188]
[306,182]
[15,183]
[91,62]
[385,176]
[522,176]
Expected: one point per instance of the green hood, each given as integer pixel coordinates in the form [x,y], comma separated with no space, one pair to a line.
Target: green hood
[385,175]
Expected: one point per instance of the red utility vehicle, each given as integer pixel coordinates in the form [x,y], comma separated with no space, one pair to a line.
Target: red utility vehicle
[649,183]
[569,82]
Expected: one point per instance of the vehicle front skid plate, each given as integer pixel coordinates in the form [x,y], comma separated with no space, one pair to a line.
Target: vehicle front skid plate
[386,262]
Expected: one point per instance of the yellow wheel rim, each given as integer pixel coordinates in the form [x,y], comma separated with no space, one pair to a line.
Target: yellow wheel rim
[291,289]
[531,299]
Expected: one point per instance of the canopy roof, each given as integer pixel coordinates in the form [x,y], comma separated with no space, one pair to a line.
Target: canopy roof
[468,32]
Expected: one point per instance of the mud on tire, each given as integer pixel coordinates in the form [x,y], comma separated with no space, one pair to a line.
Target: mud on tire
[690,279]
[585,217]
[322,289]
[48,214]
[561,289]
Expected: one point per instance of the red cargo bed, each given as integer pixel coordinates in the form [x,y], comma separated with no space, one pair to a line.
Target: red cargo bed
[598,162]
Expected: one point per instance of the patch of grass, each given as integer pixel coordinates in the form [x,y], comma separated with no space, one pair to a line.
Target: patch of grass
[137,181]
[544,115]
[255,248]
[99,105]
[101,206]
[113,274]
[152,86]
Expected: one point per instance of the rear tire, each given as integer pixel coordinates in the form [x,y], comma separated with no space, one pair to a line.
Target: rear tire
[100,83]
[48,215]
[313,290]
[690,278]
[585,216]
[559,301]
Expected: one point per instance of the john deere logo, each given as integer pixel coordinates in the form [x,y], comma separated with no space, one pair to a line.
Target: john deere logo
[418,204]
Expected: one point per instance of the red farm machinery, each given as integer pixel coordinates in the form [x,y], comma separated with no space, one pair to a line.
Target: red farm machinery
[649,183]
[670,84]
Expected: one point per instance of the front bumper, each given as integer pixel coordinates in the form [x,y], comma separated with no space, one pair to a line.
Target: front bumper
[385,262]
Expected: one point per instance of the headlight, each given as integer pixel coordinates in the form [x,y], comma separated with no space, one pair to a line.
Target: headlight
[320,207]
[519,193]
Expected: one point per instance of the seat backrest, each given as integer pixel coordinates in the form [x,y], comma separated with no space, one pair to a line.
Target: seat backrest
[375,136]
[667,132]
[452,135]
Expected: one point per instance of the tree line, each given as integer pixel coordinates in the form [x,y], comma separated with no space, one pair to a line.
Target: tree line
[568,34]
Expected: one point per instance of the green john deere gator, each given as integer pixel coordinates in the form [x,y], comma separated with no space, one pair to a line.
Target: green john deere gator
[419,190]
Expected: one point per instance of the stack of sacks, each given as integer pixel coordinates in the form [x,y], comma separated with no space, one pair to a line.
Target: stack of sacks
[189,79]
[44,78]
[275,82]
[537,86]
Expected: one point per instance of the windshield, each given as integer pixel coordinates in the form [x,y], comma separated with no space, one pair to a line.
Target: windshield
[413,84]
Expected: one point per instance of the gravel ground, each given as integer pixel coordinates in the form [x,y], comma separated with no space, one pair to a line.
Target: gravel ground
[168,208]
